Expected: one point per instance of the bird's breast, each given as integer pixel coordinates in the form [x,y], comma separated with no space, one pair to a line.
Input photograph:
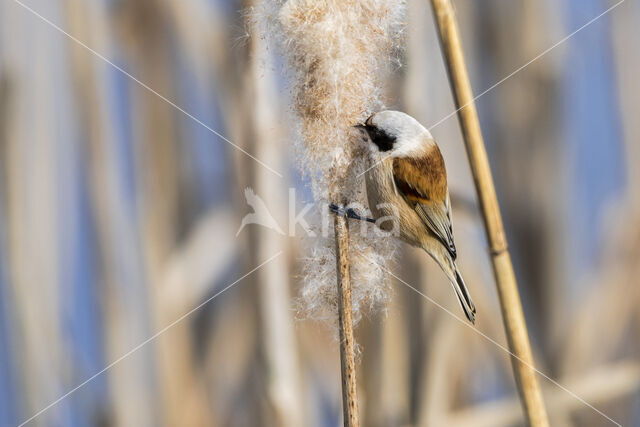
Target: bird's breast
[388,206]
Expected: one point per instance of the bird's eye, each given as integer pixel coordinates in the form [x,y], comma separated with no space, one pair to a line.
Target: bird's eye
[383,140]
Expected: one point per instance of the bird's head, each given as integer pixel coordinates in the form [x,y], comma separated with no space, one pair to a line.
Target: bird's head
[396,134]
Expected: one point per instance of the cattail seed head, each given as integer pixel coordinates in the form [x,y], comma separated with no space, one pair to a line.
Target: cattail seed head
[338,54]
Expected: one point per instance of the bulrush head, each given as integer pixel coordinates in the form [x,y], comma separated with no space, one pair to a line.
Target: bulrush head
[338,54]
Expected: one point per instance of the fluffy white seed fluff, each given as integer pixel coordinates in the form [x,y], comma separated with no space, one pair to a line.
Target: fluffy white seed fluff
[338,54]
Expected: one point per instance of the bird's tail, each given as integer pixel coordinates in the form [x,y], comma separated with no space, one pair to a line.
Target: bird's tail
[463,296]
[443,258]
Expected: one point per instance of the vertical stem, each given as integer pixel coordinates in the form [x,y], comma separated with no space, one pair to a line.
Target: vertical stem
[122,293]
[277,333]
[347,352]
[513,317]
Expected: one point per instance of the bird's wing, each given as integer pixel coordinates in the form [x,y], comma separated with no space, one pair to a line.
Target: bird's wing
[423,183]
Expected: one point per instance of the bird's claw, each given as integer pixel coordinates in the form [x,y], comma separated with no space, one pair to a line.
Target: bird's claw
[348,213]
[337,210]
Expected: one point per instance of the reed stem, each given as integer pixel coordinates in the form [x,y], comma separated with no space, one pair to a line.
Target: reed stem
[511,307]
[345,324]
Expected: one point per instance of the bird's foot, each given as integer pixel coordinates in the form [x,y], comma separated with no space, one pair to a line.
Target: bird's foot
[348,213]
[337,210]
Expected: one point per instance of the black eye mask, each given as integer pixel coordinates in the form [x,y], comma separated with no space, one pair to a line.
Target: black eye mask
[379,137]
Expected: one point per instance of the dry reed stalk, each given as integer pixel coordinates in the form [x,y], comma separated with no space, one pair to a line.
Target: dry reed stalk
[437,386]
[345,324]
[143,26]
[32,226]
[125,319]
[511,307]
[277,334]
[625,31]
[387,368]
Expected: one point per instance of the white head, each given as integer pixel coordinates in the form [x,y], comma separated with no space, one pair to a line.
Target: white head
[396,134]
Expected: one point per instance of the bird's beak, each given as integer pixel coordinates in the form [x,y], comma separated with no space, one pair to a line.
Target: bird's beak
[360,126]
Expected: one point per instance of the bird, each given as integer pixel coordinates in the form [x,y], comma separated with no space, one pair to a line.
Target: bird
[407,181]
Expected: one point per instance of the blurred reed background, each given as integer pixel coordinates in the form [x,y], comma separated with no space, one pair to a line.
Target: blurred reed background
[118,214]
